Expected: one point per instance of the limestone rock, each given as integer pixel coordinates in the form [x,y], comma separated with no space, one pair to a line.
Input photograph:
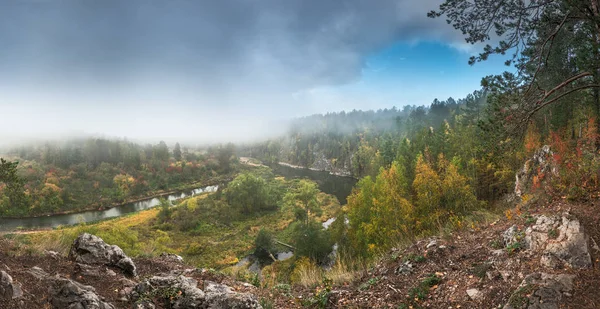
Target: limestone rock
[474,294]
[69,294]
[561,239]
[91,249]
[540,290]
[172,257]
[9,289]
[183,293]
[220,296]
[510,236]
[38,273]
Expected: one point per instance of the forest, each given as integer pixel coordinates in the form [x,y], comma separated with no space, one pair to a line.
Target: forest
[93,173]
[421,170]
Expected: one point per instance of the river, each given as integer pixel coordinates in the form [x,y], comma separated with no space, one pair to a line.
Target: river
[339,186]
[53,221]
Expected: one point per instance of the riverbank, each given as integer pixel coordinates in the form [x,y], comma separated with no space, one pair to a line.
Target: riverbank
[339,174]
[136,199]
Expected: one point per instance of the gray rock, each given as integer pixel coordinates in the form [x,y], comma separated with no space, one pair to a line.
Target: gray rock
[53,254]
[541,291]
[474,294]
[38,273]
[561,240]
[9,289]
[144,305]
[69,294]
[510,236]
[171,257]
[91,249]
[219,296]
[432,243]
[183,293]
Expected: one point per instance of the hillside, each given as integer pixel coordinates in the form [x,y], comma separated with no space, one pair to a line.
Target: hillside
[484,266]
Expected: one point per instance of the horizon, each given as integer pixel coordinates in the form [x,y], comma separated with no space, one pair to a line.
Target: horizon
[204,72]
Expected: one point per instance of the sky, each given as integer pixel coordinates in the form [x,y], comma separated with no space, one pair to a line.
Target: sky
[199,71]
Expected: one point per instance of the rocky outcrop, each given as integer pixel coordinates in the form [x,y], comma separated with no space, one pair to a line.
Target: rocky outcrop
[219,296]
[540,165]
[182,292]
[91,249]
[9,289]
[561,240]
[511,236]
[540,290]
[171,257]
[69,294]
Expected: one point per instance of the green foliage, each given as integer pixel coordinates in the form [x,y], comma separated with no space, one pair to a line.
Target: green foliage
[14,198]
[311,240]
[390,209]
[421,291]
[165,210]
[264,245]
[368,284]
[514,247]
[90,173]
[412,257]
[265,303]
[251,193]
[321,297]
[303,199]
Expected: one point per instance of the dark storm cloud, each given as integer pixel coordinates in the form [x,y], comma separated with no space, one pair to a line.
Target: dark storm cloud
[204,41]
[232,59]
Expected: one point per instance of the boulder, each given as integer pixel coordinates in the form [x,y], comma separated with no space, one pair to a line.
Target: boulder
[69,294]
[220,296]
[561,240]
[510,236]
[540,290]
[38,273]
[91,249]
[9,289]
[182,293]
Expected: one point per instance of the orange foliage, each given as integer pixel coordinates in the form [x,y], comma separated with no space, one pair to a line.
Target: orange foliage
[532,139]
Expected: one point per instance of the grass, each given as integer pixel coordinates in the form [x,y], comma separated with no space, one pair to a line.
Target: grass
[210,245]
[553,233]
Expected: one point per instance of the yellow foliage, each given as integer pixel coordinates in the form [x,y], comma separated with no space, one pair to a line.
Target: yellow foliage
[508,214]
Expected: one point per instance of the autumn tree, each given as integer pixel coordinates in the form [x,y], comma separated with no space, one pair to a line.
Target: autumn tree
[428,194]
